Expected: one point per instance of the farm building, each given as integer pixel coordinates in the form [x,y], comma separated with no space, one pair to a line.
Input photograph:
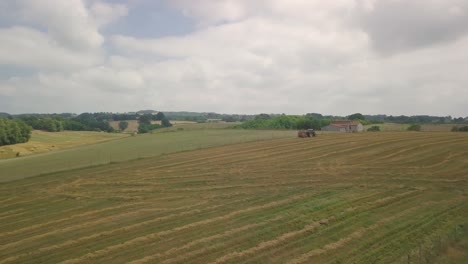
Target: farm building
[344,126]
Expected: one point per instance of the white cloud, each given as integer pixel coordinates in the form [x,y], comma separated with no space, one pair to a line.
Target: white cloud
[32,48]
[105,13]
[56,35]
[245,56]
[67,22]
[398,25]
[109,79]
[208,12]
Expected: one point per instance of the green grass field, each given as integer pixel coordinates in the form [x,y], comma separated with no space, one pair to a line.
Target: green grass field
[128,148]
[338,198]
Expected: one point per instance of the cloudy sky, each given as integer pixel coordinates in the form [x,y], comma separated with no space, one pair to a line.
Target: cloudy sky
[235,56]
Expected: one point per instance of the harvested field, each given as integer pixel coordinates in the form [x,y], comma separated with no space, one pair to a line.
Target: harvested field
[42,141]
[337,198]
[438,128]
[389,127]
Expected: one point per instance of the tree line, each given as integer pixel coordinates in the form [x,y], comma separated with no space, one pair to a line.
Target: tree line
[83,122]
[17,129]
[418,119]
[145,125]
[88,121]
[100,121]
[205,116]
[265,121]
[13,131]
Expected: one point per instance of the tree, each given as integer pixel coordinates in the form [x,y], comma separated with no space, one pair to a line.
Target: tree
[146,128]
[95,122]
[374,129]
[262,117]
[123,125]
[286,122]
[145,123]
[229,118]
[165,122]
[315,115]
[13,131]
[73,125]
[145,119]
[356,116]
[159,116]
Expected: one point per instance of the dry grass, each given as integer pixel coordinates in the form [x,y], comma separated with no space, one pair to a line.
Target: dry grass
[42,141]
[335,198]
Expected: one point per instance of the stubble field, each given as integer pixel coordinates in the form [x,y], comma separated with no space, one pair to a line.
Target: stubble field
[337,198]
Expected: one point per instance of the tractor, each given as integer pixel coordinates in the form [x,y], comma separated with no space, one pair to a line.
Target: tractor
[306,133]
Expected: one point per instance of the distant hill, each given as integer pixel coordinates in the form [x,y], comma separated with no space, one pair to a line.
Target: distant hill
[144,112]
[4,115]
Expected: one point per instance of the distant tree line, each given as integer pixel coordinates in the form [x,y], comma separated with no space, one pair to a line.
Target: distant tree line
[100,121]
[87,121]
[418,119]
[204,117]
[265,121]
[46,124]
[317,121]
[83,122]
[145,125]
[13,131]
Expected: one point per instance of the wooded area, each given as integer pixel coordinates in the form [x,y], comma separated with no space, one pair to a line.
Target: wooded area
[13,131]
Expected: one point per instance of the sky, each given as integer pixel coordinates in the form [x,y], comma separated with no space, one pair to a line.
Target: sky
[337,57]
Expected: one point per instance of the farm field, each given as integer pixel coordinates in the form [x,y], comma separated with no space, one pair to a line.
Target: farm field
[49,141]
[181,125]
[393,127]
[128,148]
[187,125]
[338,198]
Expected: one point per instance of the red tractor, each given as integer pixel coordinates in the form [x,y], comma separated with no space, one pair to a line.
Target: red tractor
[306,133]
